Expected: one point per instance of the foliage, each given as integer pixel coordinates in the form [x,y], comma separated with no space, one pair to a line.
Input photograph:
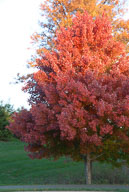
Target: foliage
[58,13]
[79,96]
[5,115]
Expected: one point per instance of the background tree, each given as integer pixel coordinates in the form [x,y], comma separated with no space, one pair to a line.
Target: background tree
[79,97]
[5,115]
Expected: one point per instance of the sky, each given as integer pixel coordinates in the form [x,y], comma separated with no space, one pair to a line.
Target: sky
[18,21]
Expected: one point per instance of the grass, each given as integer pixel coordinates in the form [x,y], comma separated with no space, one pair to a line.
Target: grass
[16,168]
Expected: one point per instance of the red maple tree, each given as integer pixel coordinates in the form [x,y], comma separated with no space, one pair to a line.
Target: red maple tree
[79,97]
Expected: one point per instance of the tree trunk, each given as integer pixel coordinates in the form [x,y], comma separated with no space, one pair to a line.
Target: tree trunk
[84,157]
[87,164]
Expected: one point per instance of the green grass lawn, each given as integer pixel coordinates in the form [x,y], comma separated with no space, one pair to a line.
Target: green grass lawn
[16,168]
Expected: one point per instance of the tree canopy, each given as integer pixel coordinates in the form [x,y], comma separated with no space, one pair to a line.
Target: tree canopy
[58,13]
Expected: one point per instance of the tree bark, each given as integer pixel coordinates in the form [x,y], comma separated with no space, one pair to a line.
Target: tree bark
[87,164]
[85,168]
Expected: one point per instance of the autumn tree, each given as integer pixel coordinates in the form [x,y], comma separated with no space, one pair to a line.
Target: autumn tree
[79,97]
[59,13]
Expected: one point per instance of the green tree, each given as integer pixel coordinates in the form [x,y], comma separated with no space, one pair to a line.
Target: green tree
[6,111]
